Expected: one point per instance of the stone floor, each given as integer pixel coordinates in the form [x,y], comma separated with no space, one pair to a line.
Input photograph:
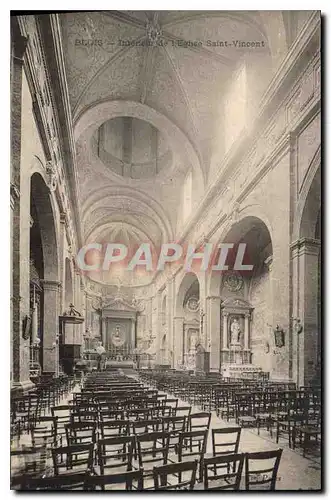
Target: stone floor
[295,471]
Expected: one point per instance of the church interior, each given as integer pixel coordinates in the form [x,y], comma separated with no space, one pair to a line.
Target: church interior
[200,129]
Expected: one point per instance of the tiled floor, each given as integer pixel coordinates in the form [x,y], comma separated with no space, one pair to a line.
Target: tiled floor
[295,472]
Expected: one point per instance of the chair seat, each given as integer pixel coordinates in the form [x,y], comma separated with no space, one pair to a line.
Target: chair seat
[262,415]
[306,429]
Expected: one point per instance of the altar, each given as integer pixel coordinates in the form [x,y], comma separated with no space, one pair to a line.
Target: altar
[118,330]
[235,338]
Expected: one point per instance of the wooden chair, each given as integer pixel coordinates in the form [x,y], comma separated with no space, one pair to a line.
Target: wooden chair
[199,421]
[223,472]
[153,450]
[306,429]
[126,479]
[169,477]
[106,414]
[28,461]
[258,477]
[54,483]
[145,426]
[113,428]
[139,414]
[44,432]
[192,445]
[245,409]
[115,452]
[175,426]
[73,458]
[81,432]
[182,411]
[226,446]
[62,412]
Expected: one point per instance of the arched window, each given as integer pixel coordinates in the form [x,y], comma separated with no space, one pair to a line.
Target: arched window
[187,196]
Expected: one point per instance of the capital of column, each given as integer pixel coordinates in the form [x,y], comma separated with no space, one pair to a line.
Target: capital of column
[305,246]
[213,297]
[51,285]
[225,314]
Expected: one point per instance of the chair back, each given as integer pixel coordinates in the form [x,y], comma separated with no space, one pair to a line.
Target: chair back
[223,472]
[261,469]
[199,421]
[126,479]
[77,458]
[225,440]
[176,471]
[152,448]
[115,452]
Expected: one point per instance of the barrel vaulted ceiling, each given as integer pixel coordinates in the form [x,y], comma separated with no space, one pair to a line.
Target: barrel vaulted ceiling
[176,89]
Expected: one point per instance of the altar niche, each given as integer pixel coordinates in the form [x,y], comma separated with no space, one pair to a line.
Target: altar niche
[119,330]
[236,316]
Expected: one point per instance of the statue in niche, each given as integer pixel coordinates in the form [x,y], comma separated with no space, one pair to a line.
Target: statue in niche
[117,337]
[193,341]
[235,332]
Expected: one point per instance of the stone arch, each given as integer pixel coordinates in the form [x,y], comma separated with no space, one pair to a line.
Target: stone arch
[234,232]
[306,255]
[309,202]
[186,282]
[186,321]
[43,203]
[43,210]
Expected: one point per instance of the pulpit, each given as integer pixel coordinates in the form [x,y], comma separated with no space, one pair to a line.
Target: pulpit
[202,360]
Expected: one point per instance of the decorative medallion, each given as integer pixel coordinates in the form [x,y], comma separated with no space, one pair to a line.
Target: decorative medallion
[233,281]
[193,304]
[154,33]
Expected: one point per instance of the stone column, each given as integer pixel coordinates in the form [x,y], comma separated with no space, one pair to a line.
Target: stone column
[61,250]
[225,330]
[213,324]
[170,321]
[104,333]
[52,291]
[78,305]
[246,332]
[178,340]
[305,254]
[159,328]
[133,333]
[224,347]
[20,352]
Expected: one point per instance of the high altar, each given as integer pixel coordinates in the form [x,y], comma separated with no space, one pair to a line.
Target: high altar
[118,331]
[235,338]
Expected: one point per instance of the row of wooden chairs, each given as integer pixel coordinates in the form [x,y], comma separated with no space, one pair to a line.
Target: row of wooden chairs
[223,472]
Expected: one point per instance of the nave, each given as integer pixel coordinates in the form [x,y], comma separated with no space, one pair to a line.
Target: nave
[110,431]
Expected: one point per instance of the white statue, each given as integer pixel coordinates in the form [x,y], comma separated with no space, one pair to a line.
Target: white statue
[235,332]
[193,341]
